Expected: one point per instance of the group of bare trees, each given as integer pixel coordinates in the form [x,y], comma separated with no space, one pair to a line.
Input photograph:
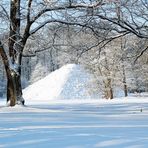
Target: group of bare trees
[101,23]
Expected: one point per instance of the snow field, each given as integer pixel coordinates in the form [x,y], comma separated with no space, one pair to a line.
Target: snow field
[79,124]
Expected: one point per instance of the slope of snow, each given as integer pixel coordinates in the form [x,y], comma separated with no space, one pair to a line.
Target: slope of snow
[68,82]
[76,84]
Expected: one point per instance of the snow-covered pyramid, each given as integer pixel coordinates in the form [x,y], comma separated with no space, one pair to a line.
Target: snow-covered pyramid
[69,82]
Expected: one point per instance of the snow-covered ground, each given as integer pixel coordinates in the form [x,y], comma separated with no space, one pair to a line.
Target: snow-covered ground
[60,114]
[114,123]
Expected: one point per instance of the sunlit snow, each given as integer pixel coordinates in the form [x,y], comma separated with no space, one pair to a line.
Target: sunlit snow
[76,124]
[73,123]
[69,82]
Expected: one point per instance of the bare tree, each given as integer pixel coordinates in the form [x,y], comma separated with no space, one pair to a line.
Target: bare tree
[24,22]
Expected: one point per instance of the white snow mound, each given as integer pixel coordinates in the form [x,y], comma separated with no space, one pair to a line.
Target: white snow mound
[69,82]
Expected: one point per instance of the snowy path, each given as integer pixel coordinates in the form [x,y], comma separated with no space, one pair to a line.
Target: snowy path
[105,124]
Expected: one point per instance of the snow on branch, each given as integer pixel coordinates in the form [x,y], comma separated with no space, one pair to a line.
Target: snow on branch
[4,55]
[103,43]
[13,67]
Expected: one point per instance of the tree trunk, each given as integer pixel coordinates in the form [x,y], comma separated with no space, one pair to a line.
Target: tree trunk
[11,95]
[108,89]
[109,93]
[125,90]
[14,89]
[124,82]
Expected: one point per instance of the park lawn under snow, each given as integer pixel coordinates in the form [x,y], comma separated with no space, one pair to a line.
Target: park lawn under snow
[76,124]
[60,114]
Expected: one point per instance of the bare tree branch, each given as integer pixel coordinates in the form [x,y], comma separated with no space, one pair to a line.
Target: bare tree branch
[34,53]
[124,25]
[106,40]
[141,53]
[71,6]
[29,11]
[5,11]
[62,22]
